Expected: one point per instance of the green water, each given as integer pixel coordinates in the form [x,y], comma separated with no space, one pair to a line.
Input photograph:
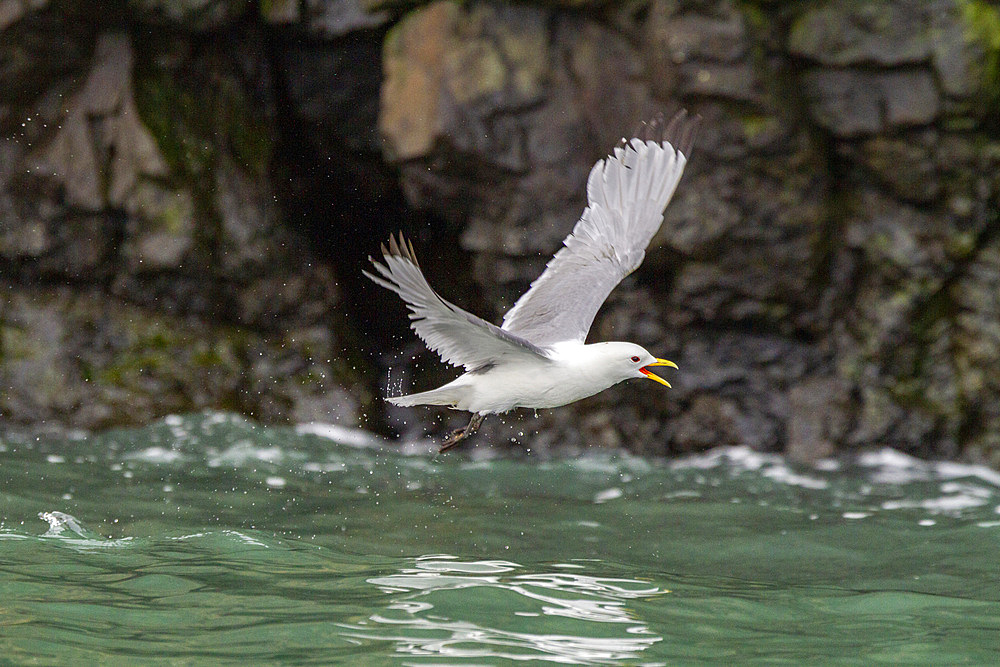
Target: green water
[206,539]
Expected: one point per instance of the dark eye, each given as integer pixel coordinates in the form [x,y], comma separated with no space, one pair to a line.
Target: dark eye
[635,360]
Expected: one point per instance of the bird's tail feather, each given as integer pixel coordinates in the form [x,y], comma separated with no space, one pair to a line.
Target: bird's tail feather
[440,396]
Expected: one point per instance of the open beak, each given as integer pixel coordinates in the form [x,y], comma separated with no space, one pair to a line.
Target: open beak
[653,376]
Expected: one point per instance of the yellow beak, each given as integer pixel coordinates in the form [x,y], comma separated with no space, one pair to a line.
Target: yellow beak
[653,376]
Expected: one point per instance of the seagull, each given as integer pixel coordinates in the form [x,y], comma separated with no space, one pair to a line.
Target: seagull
[538,357]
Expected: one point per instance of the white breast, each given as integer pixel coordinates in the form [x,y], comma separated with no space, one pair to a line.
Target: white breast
[570,375]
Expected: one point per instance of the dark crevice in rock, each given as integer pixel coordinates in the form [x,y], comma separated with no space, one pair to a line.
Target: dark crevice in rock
[336,190]
[974,423]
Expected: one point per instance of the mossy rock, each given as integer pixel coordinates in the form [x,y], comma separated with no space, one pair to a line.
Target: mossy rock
[89,360]
[982,27]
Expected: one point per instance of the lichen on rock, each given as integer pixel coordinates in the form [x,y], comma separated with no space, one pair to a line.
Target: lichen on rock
[88,360]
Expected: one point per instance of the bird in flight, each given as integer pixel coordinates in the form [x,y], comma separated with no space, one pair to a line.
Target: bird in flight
[538,357]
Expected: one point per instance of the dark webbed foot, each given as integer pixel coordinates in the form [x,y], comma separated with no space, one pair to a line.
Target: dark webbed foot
[458,435]
[454,438]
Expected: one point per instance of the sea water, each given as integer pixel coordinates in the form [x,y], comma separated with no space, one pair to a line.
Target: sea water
[206,538]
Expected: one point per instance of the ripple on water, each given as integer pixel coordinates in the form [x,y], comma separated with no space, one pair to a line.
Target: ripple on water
[526,615]
[207,537]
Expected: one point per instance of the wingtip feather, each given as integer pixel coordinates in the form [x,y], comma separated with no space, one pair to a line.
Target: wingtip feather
[413,254]
[688,134]
[680,131]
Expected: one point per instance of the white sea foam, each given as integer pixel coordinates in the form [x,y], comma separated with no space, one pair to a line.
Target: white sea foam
[893,467]
[888,466]
[246,539]
[785,475]
[60,523]
[745,459]
[244,452]
[343,435]
[741,457]
[70,531]
[156,455]
[958,496]
[608,494]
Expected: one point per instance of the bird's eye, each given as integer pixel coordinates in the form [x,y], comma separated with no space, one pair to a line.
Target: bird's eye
[635,360]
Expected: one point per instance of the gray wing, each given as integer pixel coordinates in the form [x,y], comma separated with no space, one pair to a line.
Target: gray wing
[626,196]
[458,336]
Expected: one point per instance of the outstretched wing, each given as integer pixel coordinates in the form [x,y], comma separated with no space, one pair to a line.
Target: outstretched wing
[626,196]
[458,336]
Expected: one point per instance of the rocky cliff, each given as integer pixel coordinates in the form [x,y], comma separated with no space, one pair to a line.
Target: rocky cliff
[189,190]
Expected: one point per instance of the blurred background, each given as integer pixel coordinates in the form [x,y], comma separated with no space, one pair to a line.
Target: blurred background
[189,190]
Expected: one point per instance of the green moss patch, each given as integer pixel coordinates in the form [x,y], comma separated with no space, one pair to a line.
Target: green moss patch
[982,21]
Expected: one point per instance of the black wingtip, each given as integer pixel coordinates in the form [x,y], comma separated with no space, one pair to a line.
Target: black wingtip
[680,131]
[400,247]
[688,133]
[413,253]
[652,129]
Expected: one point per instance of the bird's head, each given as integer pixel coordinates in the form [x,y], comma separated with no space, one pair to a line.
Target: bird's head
[628,360]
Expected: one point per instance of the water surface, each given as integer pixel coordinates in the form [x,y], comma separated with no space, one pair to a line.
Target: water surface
[205,537]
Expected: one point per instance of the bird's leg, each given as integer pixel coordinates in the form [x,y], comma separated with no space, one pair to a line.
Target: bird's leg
[460,434]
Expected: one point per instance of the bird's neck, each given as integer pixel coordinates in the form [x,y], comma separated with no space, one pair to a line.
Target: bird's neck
[591,360]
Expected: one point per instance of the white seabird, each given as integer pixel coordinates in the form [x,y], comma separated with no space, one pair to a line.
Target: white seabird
[538,357]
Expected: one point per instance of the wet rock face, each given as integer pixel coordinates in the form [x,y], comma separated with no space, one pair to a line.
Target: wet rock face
[806,273]
[875,67]
[144,264]
[495,114]
[825,276]
[194,15]
[84,359]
